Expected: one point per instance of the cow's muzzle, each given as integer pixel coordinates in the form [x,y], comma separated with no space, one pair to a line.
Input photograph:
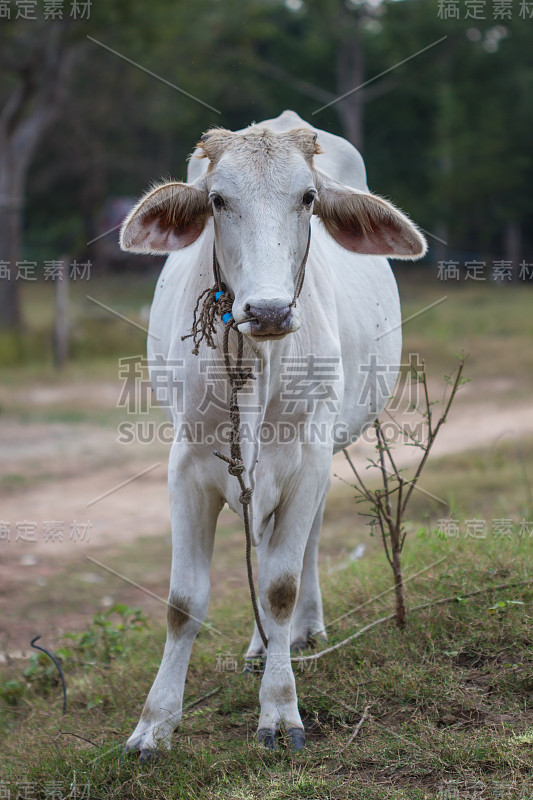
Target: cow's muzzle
[269,320]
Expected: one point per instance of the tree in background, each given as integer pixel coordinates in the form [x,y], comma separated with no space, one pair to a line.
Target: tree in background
[37,57]
[39,62]
[446,133]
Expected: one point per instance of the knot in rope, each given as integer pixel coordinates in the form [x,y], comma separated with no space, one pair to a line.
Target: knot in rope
[245,497]
[236,469]
[239,376]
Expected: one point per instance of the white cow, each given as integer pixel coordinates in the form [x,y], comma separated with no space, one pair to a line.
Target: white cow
[324,367]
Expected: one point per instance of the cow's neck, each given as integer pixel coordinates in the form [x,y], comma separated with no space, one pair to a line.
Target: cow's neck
[265,359]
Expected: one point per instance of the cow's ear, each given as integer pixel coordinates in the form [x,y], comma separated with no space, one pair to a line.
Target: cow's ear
[167,218]
[365,223]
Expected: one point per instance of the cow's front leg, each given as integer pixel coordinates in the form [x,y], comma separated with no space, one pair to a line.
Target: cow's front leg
[280,568]
[308,617]
[194,511]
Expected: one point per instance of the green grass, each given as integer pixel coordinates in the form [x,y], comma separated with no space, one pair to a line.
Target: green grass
[493,324]
[450,698]
[95,333]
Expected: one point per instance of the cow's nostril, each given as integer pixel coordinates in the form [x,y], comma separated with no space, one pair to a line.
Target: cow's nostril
[270,320]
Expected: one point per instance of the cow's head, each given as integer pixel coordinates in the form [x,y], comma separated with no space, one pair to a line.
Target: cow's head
[261,188]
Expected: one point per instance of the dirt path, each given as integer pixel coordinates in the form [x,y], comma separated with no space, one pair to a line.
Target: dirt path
[469,427]
[62,499]
[71,467]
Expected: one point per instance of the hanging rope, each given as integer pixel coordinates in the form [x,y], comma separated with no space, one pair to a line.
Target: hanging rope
[212,305]
[238,377]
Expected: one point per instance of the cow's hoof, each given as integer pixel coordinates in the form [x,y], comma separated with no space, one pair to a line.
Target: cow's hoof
[297,647]
[144,755]
[316,639]
[128,751]
[296,738]
[148,755]
[312,641]
[267,738]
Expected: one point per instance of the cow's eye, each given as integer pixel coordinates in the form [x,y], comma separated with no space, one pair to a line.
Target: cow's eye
[308,198]
[217,201]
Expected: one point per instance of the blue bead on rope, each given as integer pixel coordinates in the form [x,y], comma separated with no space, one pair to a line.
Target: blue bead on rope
[228,316]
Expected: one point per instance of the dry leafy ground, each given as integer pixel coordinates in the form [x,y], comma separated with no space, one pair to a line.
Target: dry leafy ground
[449,700]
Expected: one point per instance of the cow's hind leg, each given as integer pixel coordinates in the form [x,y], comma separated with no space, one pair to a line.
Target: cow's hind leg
[194,512]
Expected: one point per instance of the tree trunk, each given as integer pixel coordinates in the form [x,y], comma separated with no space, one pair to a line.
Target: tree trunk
[439,246]
[9,249]
[350,75]
[61,315]
[401,617]
[513,246]
[11,203]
